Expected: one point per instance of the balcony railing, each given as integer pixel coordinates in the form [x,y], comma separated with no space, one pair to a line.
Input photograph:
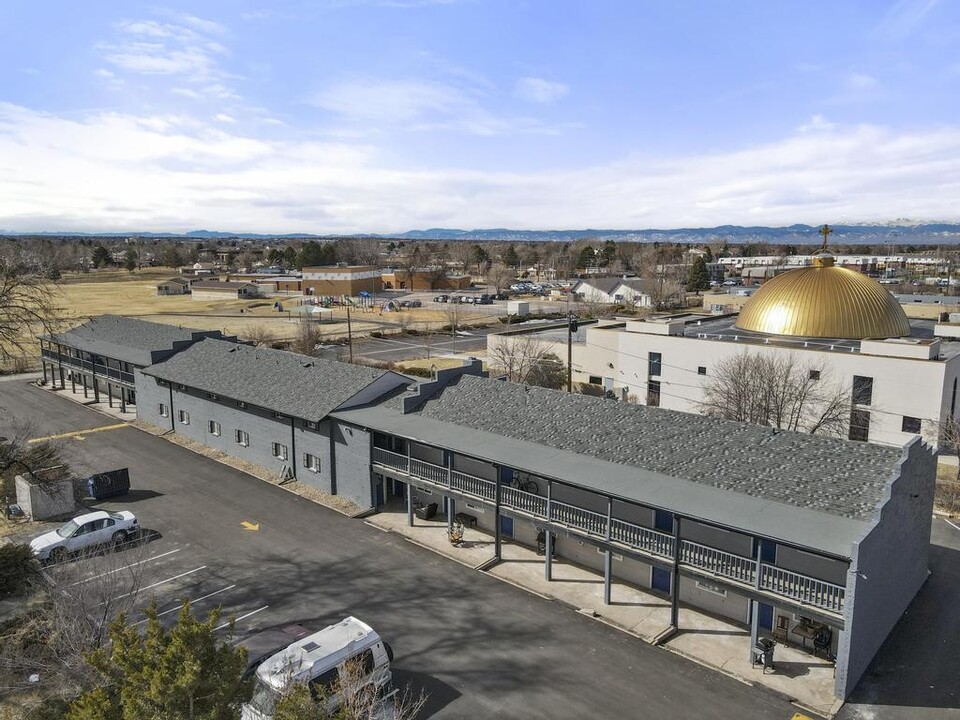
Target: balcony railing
[802,588]
[592,522]
[721,563]
[91,367]
[470,485]
[653,541]
[523,501]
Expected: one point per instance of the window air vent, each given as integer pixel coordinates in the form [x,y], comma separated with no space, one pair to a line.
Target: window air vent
[310,646]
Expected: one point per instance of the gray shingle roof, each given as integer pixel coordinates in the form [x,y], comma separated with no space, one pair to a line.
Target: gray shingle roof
[297,385]
[217,285]
[830,475]
[605,285]
[127,339]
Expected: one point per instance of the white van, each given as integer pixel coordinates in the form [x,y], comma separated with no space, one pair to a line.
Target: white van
[316,660]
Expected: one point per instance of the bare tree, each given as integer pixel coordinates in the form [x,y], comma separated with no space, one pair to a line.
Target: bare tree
[259,335]
[781,392]
[67,620]
[500,275]
[308,338]
[28,306]
[358,697]
[521,358]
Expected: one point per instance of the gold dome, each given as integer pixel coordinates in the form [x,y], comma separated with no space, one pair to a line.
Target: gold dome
[824,301]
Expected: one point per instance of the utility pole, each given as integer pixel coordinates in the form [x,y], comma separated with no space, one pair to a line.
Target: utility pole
[349,332]
[569,345]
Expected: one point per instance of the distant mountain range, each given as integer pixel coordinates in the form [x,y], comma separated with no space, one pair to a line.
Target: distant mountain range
[898,232]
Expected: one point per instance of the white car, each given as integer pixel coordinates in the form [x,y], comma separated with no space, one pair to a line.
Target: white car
[85,531]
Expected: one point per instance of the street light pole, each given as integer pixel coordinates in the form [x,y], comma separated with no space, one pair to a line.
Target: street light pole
[569,345]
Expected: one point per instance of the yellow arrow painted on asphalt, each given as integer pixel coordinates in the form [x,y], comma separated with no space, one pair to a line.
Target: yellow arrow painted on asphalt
[247,525]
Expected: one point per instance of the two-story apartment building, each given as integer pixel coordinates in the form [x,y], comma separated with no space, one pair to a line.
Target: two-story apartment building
[102,354]
[772,529]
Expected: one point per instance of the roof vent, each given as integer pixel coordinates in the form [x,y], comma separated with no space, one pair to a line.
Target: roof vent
[310,646]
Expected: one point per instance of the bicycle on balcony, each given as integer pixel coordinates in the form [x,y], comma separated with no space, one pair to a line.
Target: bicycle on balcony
[525,484]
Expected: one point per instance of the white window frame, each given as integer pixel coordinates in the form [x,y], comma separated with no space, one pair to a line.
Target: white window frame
[242,437]
[242,405]
[311,462]
[213,427]
[183,417]
[163,410]
[311,425]
[280,451]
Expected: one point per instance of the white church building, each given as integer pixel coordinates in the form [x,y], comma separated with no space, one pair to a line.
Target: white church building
[900,375]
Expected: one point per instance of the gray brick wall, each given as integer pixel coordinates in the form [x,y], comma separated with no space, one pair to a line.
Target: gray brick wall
[261,426]
[352,452]
[889,566]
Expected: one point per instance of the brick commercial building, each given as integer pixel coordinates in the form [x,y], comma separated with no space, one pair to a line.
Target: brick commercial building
[349,280]
[778,531]
[425,279]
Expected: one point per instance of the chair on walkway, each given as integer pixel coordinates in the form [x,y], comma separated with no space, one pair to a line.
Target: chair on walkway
[426,512]
[822,642]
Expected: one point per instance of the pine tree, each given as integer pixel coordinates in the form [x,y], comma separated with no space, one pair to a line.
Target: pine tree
[183,672]
[698,278]
[101,257]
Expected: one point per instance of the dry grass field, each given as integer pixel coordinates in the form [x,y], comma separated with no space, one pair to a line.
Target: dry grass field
[84,295]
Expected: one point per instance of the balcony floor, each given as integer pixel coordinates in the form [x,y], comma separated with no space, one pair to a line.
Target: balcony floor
[704,638]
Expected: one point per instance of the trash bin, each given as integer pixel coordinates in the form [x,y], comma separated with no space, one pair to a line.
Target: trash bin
[108,484]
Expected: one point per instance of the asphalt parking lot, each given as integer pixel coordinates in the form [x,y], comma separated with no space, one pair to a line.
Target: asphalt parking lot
[479,647]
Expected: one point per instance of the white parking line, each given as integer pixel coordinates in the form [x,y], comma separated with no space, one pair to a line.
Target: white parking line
[955,527]
[192,602]
[125,567]
[242,617]
[161,582]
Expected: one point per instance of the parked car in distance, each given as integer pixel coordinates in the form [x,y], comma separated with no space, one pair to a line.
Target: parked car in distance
[501,296]
[484,300]
[442,298]
[414,303]
[83,532]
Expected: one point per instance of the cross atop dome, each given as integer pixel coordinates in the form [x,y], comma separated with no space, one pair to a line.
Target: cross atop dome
[825,231]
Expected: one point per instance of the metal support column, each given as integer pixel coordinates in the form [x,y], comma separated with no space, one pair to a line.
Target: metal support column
[497,544]
[409,504]
[548,539]
[43,365]
[675,580]
[409,488]
[84,378]
[608,557]
[63,383]
[755,605]
[73,382]
[123,399]
[96,389]
[110,394]
[451,511]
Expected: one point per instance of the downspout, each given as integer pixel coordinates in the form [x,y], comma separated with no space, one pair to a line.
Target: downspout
[173,424]
[293,447]
[333,460]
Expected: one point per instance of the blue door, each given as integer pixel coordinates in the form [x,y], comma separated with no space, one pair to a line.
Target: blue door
[378,492]
[765,616]
[663,521]
[768,552]
[399,489]
[506,526]
[660,580]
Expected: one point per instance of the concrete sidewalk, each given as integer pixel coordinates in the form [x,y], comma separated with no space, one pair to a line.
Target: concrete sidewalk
[103,406]
[710,641]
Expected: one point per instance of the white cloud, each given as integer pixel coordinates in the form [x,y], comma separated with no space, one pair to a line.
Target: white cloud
[538,90]
[104,73]
[174,172]
[816,123]
[185,47]
[420,106]
[860,81]
[261,14]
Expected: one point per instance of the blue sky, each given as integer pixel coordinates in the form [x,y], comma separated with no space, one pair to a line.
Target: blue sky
[389,115]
